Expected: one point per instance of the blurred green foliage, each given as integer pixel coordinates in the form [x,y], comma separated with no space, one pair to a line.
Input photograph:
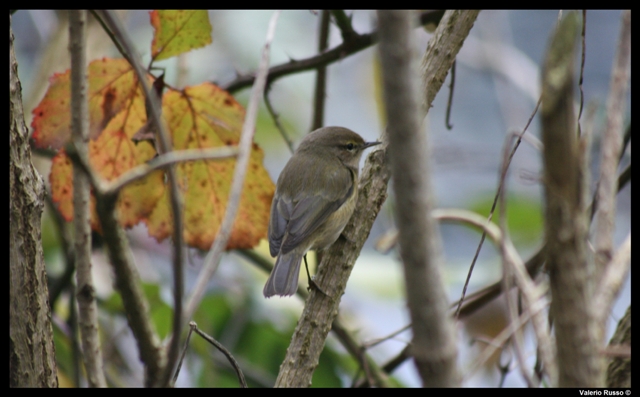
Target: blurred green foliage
[524,217]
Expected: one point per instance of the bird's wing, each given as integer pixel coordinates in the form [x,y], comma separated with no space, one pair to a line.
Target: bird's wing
[277,224]
[293,219]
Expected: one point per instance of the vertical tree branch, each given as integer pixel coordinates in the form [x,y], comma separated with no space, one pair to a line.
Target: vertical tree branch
[87,308]
[566,220]
[434,344]
[321,74]
[32,361]
[447,40]
[164,146]
[611,144]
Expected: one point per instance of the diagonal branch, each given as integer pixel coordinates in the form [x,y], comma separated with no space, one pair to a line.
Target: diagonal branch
[244,153]
[531,294]
[337,262]
[611,282]
[356,44]
[348,341]
[114,25]
[165,160]
[310,334]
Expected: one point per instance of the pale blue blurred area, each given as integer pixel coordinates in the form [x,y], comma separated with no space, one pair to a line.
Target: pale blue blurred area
[497,85]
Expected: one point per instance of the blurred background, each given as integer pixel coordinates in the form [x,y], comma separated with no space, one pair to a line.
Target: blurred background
[496,89]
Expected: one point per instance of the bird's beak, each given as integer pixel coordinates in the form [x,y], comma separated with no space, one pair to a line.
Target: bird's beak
[369,144]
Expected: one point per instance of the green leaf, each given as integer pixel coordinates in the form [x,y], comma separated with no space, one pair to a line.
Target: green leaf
[178,31]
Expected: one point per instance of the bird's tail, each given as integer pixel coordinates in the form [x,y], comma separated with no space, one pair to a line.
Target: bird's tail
[283,279]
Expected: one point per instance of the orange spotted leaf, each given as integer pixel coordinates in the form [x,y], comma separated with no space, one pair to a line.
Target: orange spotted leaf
[203,116]
[112,84]
[178,31]
[206,116]
[61,179]
[114,153]
[111,154]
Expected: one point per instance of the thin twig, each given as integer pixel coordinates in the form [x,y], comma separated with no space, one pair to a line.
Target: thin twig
[373,373]
[345,337]
[98,16]
[499,341]
[320,93]
[493,206]
[164,147]
[478,299]
[531,294]
[184,353]
[618,351]
[164,160]
[583,56]
[246,139]
[452,84]
[276,120]
[357,44]
[377,341]
[87,307]
[518,343]
[217,345]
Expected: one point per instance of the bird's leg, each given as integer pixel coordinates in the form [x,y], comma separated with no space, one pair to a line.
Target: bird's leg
[312,284]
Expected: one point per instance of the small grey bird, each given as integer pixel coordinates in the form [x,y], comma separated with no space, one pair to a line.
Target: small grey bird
[315,196]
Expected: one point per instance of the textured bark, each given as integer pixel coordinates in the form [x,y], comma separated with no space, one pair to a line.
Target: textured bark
[619,370]
[434,343]
[87,308]
[31,349]
[308,338]
[610,146]
[442,50]
[566,219]
[315,322]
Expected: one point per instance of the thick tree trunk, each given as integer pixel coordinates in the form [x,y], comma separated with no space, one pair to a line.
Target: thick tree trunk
[31,350]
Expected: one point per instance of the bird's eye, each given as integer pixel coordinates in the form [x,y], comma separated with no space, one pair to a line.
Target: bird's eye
[350,146]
